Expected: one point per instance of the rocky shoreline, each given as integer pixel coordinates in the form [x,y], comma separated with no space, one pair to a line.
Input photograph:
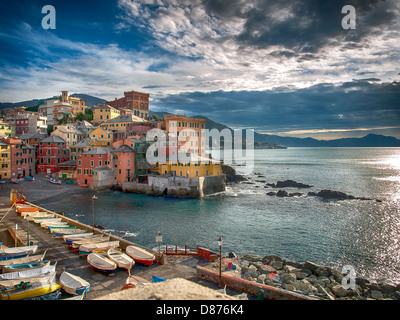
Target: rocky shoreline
[307,278]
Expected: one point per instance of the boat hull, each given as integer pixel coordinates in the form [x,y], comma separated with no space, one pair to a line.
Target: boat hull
[34,291]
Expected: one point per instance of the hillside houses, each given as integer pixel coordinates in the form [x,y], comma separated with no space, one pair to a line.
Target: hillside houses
[109,153]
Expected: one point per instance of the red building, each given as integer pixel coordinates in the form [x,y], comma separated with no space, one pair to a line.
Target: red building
[98,157]
[133,100]
[51,152]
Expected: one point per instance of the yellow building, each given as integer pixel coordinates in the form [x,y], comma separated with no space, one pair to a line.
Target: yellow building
[194,167]
[189,130]
[7,130]
[5,160]
[100,137]
[78,104]
[122,122]
[102,113]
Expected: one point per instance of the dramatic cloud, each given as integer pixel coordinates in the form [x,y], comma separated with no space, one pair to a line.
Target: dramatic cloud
[276,66]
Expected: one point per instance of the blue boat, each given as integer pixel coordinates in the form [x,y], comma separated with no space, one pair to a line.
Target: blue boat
[157,279]
[25,266]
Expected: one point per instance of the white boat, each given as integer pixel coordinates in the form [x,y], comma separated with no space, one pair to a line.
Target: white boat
[121,259]
[79,236]
[140,255]
[34,258]
[135,281]
[36,215]
[73,284]
[101,246]
[55,181]
[17,252]
[42,220]
[63,232]
[77,243]
[101,263]
[30,273]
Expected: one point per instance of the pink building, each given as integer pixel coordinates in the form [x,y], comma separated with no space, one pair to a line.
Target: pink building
[22,159]
[51,151]
[90,160]
[124,160]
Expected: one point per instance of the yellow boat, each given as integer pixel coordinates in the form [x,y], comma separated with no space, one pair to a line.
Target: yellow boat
[36,290]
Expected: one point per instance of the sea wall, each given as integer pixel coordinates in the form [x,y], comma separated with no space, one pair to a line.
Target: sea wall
[174,186]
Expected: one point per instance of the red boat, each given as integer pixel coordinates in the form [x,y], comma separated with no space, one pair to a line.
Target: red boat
[140,255]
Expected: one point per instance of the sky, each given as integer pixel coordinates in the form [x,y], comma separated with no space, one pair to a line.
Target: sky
[279,67]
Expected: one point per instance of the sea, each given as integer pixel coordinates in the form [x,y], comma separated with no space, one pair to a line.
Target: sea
[364,234]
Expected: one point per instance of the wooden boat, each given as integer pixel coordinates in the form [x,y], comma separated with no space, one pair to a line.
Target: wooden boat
[44,222]
[25,266]
[50,228]
[37,215]
[55,181]
[31,291]
[157,279]
[135,281]
[34,258]
[40,220]
[102,263]
[17,252]
[121,259]
[73,284]
[69,238]
[63,232]
[43,272]
[56,224]
[140,255]
[88,248]
[76,244]
[26,209]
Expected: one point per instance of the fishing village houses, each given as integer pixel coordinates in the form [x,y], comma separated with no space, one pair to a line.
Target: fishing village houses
[108,150]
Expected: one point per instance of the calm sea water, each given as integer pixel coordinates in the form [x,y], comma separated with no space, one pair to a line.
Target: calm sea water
[365,234]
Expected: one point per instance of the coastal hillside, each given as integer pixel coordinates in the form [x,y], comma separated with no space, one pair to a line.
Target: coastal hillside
[261,141]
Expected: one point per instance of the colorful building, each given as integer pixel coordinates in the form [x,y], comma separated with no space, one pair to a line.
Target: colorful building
[22,159]
[7,130]
[122,122]
[193,166]
[133,100]
[78,149]
[51,152]
[102,113]
[100,137]
[69,133]
[124,164]
[188,132]
[5,160]
[98,157]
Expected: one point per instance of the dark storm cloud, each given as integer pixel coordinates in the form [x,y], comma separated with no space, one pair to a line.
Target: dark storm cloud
[357,104]
[304,26]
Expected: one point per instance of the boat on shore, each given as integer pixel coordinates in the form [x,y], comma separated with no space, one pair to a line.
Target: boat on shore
[34,258]
[76,244]
[65,231]
[121,259]
[140,255]
[69,238]
[101,263]
[17,252]
[54,181]
[73,284]
[101,246]
[135,281]
[25,266]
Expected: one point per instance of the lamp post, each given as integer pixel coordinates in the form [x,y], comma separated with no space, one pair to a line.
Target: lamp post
[93,198]
[27,232]
[159,240]
[220,259]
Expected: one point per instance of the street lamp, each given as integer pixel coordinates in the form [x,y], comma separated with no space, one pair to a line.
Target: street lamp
[159,240]
[93,198]
[27,232]
[220,259]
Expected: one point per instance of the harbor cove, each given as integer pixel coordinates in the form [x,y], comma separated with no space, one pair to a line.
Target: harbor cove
[362,233]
